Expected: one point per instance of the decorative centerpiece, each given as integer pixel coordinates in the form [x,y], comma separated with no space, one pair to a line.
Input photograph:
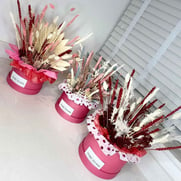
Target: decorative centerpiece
[81,88]
[124,130]
[42,50]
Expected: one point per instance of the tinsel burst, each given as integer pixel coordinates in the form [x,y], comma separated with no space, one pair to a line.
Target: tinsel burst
[129,124]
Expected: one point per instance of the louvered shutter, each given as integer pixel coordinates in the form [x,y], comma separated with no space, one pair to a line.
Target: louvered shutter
[148,38]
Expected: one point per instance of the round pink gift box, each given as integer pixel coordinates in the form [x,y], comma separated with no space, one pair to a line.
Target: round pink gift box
[18,81]
[96,161]
[69,110]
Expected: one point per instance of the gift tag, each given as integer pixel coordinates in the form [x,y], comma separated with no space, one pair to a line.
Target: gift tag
[93,158]
[66,108]
[18,79]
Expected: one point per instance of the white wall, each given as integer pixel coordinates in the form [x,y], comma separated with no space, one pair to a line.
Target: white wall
[97,16]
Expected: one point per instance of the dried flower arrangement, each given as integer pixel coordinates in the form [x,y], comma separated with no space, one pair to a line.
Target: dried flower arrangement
[127,125]
[86,80]
[80,91]
[42,49]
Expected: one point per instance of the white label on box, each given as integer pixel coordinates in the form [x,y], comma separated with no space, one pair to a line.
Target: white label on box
[66,108]
[93,158]
[18,79]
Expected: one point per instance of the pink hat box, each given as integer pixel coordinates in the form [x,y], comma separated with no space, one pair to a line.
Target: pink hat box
[18,81]
[96,161]
[69,110]
[72,106]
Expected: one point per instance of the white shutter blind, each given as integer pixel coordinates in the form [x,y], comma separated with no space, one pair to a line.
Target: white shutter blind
[148,38]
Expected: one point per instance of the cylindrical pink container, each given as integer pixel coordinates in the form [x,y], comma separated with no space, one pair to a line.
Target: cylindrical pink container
[96,161]
[18,81]
[69,110]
